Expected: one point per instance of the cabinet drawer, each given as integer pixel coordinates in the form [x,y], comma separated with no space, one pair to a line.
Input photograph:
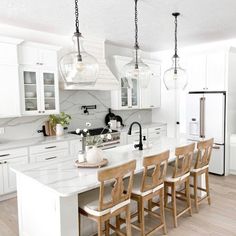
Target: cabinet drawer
[11,153]
[157,129]
[49,156]
[48,147]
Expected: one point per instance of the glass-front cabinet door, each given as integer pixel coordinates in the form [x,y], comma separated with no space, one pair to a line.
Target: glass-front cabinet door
[134,94]
[129,95]
[39,91]
[30,96]
[124,93]
[49,92]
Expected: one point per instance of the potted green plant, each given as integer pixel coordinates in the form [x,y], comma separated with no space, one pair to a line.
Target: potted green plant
[59,122]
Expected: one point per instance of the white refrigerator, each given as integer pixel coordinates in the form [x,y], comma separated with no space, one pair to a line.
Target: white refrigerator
[206,119]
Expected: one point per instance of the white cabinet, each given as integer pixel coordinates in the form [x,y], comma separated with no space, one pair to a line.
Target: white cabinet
[9,89]
[39,90]
[39,79]
[10,158]
[207,72]
[36,54]
[151,97]
[137,97]
[75,147]
[157,132]
[9,176]
[48,152]
[216,71]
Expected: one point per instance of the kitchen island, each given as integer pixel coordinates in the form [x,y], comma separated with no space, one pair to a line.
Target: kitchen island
[48,192]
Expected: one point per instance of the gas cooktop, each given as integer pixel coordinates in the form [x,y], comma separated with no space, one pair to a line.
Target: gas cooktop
[97,131]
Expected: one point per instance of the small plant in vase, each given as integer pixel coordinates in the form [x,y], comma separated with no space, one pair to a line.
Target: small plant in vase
[90,144]
[60,121]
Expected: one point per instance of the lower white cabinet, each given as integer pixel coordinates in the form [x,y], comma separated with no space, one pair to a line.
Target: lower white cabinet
[48,156]
[10,158]
[48,152]
[9,177]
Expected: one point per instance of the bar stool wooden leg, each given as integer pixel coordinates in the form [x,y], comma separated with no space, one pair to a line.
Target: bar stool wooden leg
[128,221]
[107,228]
[162,211]
[142,223]
[207,187]
[195,184]
[166,195]
[173,193]
[100,232]
[188,196]
[118,222]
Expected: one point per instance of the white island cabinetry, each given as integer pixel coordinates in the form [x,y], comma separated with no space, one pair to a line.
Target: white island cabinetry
[51,189]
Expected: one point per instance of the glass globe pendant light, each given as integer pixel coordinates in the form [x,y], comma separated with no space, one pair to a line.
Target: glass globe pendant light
[78,66]
[137,69]
[175,77]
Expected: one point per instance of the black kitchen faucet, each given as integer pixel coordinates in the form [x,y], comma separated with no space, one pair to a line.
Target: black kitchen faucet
[140,145]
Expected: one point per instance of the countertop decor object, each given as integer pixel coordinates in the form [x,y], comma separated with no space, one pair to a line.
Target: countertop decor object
[85,164]
[78,66]
[137,69]
[59,122]
[175,77]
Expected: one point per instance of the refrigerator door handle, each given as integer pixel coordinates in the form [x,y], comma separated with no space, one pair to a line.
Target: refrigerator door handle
[216,147]
[202,117]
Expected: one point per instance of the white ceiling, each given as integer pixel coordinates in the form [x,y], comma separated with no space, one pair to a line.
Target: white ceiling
[201,20]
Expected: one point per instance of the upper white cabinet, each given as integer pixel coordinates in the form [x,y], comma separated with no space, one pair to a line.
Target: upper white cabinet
[136,97]
[207,72]
[9,89]
[35,54]
[38,79]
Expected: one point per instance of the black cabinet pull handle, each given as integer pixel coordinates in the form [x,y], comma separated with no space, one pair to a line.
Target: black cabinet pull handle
[50,158]
[50,147]
[4,155]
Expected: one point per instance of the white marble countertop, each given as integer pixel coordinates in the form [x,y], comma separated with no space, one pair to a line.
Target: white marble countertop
[9,144]
[65,179]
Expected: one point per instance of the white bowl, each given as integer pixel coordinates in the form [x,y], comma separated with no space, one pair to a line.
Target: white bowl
[30,94]
[48,94]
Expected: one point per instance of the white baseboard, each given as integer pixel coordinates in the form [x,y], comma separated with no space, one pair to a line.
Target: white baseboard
[7,196]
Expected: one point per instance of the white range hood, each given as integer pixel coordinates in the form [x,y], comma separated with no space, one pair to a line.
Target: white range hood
[106,80]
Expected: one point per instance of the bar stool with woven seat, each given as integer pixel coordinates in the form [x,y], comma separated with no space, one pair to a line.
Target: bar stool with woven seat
[180,176]
[148,186]
[201,167]
[110,200]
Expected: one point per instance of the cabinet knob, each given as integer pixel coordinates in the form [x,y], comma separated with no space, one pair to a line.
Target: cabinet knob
[43,111]
[5,162]
[39,111]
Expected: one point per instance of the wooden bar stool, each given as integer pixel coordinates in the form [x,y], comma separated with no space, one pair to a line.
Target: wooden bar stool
[150,185]
[201,167]
[111,199]
[179,177]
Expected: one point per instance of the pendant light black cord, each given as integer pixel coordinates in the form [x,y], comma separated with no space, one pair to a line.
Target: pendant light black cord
[77,33]
[176,14]
[136,45]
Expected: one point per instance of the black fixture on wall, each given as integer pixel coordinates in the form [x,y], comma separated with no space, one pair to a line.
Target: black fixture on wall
[89,107]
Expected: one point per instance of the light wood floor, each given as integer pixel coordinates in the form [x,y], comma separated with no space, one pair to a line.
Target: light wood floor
[217,220]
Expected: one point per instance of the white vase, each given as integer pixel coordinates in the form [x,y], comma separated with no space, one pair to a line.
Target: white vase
[59,130]
[94,155]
